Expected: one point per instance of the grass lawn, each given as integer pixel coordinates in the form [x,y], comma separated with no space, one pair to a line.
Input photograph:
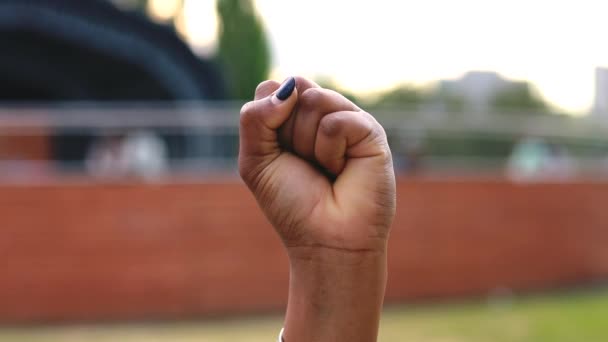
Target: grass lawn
[563,317]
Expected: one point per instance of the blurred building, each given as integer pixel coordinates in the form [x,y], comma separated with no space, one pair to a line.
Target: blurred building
[478,89]
[600,106]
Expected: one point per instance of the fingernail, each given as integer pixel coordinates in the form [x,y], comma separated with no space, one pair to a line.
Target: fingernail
[286,89]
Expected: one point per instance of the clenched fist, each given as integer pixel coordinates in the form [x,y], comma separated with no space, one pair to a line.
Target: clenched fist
[319,167]
[321,170]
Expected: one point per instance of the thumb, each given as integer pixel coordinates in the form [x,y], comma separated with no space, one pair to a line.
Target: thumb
[259,123]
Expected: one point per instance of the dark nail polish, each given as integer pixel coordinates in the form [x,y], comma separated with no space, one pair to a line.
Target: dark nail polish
[286,89]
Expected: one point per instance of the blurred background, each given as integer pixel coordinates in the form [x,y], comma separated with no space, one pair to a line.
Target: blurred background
[122,217]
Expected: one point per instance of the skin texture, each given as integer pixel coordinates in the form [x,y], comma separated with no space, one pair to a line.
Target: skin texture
[321,171]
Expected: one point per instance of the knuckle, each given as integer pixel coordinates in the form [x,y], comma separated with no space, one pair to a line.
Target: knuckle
[311,97]
[247,107]
[304,83]
[375,126]
[380,130]
[248,113]
[385,152]
[382,143]
[377,137]
[332,125]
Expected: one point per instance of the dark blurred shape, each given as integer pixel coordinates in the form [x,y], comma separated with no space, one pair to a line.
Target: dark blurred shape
[89,50]
[66,50]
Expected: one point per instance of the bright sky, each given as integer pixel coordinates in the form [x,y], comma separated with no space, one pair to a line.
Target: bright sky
[366,45]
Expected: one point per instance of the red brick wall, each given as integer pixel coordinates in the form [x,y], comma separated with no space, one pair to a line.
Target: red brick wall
[70,251]
[34,146]
[471,237]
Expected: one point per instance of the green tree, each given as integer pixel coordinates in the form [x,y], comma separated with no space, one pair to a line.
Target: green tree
[243,48]
[519,98]
[405,95]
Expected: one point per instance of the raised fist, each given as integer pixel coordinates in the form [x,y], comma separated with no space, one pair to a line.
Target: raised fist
[321,170]
[319,167]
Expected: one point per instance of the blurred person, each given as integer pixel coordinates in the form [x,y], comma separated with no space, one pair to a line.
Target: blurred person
[104,156]
[321,171]
[561,164]
[139,154]
[535,159]
[146,154]
[412,155]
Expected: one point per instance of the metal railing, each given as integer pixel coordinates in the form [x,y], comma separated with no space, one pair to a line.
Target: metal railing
[202,138]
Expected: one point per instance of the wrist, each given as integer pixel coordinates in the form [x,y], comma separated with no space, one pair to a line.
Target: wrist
[335,295]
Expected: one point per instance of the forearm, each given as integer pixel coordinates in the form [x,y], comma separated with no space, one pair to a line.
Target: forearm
[335,296]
